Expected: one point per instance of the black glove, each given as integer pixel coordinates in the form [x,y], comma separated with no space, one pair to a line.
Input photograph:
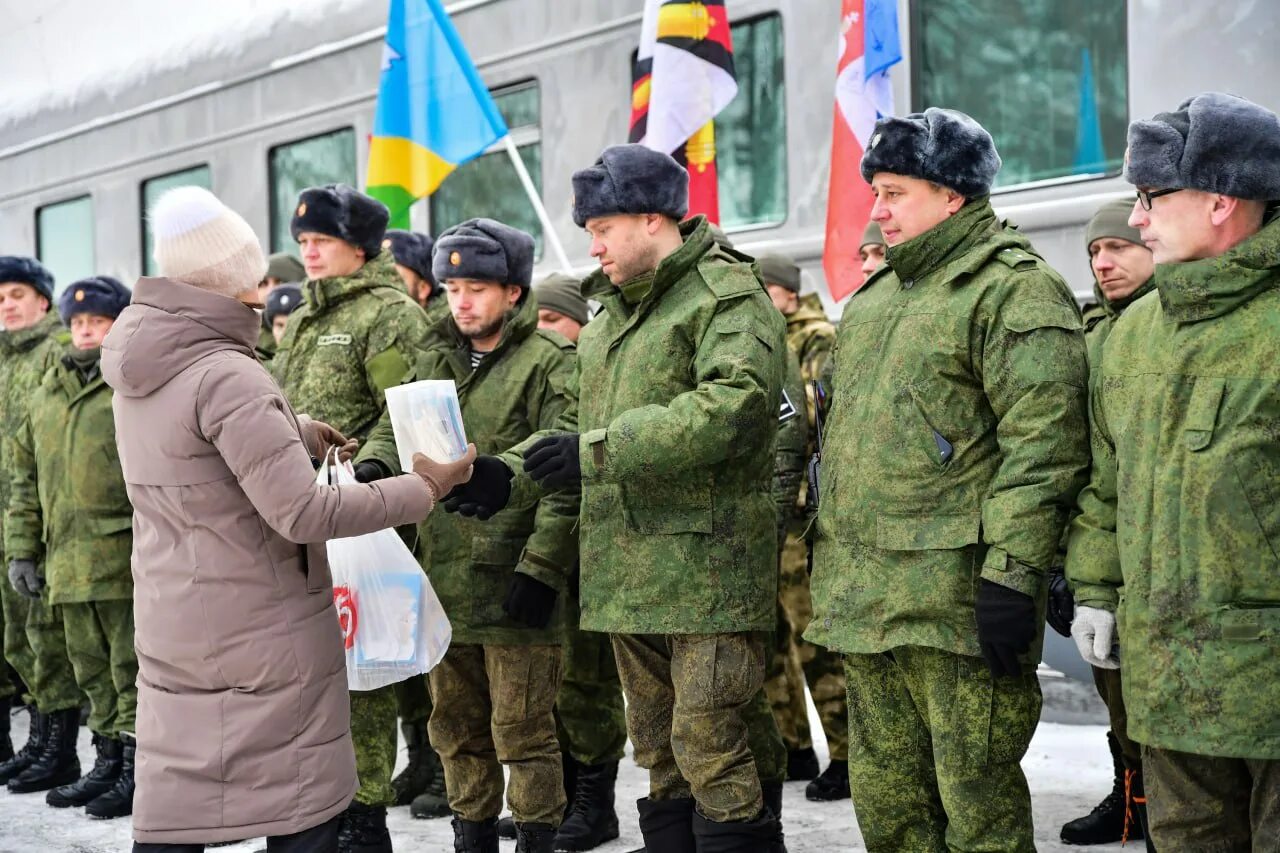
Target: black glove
[530,601]
[1062,604]
[1006,626]
[369,470]
[485,493]
[553,462]
[24,578]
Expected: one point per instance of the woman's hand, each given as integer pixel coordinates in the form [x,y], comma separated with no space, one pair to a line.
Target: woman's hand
[321,438]
[441,477]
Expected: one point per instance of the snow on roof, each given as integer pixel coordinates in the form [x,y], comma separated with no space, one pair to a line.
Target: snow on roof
[60,53]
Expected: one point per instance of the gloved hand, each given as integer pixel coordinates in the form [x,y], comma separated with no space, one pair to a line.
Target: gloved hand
[320,437]
[443,477]
[529,601]
[1062,604]
[553,461]
[1094,631]
[24,578]
[1006,626]
[485,493]
[369,470]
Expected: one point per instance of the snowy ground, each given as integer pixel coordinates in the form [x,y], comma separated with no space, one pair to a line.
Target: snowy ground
[1067,766]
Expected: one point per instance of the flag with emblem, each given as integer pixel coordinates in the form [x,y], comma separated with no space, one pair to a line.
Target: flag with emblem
[869,47]
[433,113]
[683,77]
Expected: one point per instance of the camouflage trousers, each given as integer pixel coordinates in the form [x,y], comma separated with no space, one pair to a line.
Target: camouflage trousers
[796,661]
[689,697]
[373,733]
[413,700]
[100,646]
[591,721]
[935,745]
[1109,685]
[35,644]
[1205,804]
[493,708]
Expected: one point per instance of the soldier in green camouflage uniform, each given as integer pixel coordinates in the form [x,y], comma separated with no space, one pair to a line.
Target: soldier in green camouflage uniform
[282,268]
[679,381]
[810,335]
[34,642]
[956,444]
[1176,542]
[355,335]
[68,511]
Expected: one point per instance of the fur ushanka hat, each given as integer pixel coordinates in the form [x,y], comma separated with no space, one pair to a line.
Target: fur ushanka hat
[946,147]
[631,179]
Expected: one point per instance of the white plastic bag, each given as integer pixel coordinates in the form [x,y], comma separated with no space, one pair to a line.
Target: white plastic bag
[393,625]
[426,418]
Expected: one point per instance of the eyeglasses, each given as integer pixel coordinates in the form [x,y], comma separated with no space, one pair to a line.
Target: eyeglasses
[1145,197]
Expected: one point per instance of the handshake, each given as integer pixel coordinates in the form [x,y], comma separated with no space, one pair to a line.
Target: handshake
[552,462]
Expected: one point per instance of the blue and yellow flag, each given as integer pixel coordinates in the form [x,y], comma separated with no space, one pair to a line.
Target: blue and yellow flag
[433,114]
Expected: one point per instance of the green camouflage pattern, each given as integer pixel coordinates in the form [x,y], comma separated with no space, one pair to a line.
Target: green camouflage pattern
[53,682]
[266,346]
[413,700]
[812,336]
[373,733]
[764,739]
[1185,414]
[351,339]
[935,745]
[520,388]
[677,410]
[965,336]
[591,721]
[689,701]
[494,709]
[68,509]
[791,455]
[784,688]
[100,647]
[1217,805]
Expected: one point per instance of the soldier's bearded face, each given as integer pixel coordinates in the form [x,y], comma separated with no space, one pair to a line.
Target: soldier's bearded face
[325,256]
[624,244]
[1119,266]
[906,207]
[21,306]
[479,306]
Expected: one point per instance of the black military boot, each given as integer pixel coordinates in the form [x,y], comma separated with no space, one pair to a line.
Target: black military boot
[433,802]
[762,835]
[833,784]
[6,742]
[507,828]
[802,765]
[475,836]
[535,838]
[364,830]
[22,759]
[95,783]
[118,802]
[772,792]
[1106,823]
[56,763]
[667,825]
[422,767]
[591,819]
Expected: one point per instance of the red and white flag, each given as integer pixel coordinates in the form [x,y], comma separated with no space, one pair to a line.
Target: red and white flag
[682,79]
[868,47]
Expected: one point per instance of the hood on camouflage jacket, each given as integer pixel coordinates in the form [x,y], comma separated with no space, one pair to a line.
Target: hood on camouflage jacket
[956,441]
[352,338]
[520,388]
[243,712]
[68,507]
[1179,529]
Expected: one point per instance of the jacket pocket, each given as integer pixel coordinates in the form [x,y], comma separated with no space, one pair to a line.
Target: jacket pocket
[315,562]
[111,525]
[928,532]
[1202,413]
[493,562]
[676,508]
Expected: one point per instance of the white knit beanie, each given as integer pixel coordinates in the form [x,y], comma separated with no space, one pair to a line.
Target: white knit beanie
[201,241]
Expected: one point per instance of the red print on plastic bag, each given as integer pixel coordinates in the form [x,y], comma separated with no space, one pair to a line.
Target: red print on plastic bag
[348,614]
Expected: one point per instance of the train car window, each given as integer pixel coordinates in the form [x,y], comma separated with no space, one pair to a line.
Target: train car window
[751,133]
[326,159]
[489,185]
[1048,79]
[153,188]
[64,240]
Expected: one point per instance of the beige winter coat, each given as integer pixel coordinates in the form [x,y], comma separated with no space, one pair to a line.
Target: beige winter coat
[243,715]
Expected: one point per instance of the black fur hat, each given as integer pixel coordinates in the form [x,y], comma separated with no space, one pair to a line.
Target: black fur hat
[412,250]
[631,179]
[1213,142]
[16,268]
[340,211]
[486,250]
[285,299]
[946,147]
[99,294]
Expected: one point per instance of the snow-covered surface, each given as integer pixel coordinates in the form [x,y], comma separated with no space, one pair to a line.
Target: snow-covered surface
[1068,769]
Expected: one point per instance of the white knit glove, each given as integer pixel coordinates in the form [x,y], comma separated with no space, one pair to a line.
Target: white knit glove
[1094,631]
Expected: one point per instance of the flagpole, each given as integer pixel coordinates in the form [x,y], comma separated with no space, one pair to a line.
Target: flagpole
[552,238]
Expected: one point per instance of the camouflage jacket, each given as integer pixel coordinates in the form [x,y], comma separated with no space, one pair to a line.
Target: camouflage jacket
[678,412]
[266,347]
[811,335]
[68,507]
[1179,528]
[791,454]
[957,439]
[25,355]
[521,387]
[351,339]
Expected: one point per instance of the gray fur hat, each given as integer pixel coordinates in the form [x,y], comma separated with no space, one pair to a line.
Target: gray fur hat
[631,179]
[1213,142]
[102,295]
[413,250]
[340,211]
[17,269]
[486,250]
[946,147]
